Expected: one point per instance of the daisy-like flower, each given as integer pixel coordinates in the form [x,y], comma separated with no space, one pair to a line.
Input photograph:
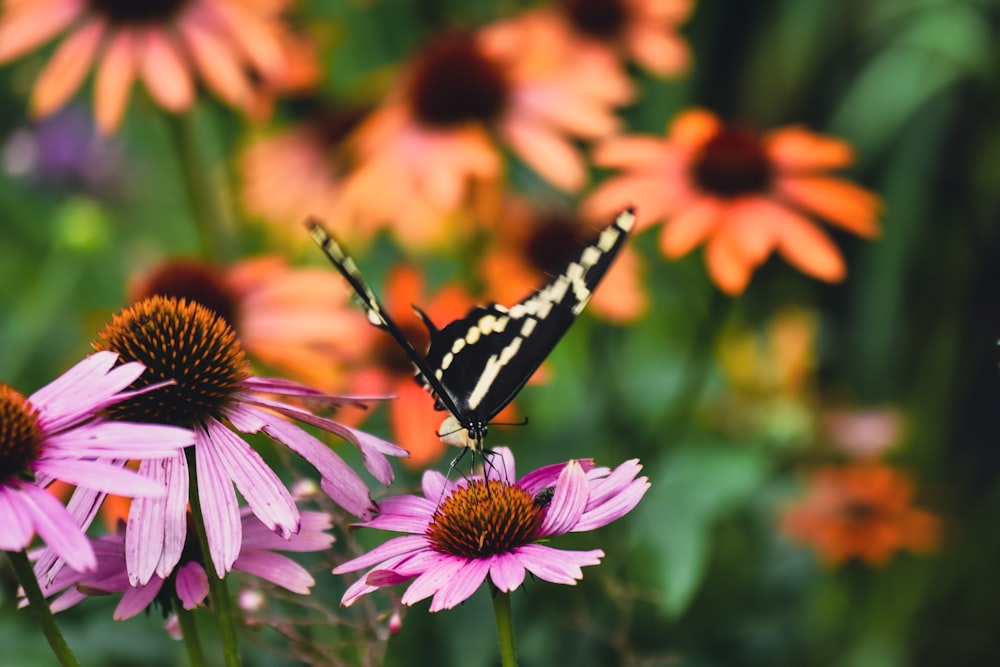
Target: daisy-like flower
[461,532]
[296,321]
[215,395]
[518,83]
[188,583]
[645,30]
[529,245]
[861,511]
[61,432]
[171,45]
[743,194]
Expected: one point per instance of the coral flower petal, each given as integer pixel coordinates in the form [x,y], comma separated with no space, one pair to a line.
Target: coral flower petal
[796,149]
[114,80]
[691,227]
[693,128]
[810,249]
[661,53]
[548,153]
[163,69]
[216,61]
[843,203]
[30,24]
[726,264]
[64,73]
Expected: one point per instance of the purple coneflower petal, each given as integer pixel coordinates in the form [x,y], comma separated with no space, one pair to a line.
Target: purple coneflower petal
[506,572]
[156,528]
[460,587]
[135,599]
[568,502]
[101,476]
[404,514]
[546,476]
[501,466]
[397,546]
[433,579]
[309,538]
[118,440]
[611,482]
[433,485]
[557,565]
[218,506]
[285,387]
[56,527]
[17,526]
[265,494]
[82,390]
[279,570]
[191,584]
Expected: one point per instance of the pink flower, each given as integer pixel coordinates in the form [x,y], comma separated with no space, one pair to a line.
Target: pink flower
[189,581]
[214,393]
[60,433]
[462,531]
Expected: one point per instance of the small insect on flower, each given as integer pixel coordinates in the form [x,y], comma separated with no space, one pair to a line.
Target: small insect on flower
[461,532]
[476,365]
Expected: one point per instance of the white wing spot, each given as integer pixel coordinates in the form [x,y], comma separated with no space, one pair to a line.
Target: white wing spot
[528,326]
[472,335]
[489,375]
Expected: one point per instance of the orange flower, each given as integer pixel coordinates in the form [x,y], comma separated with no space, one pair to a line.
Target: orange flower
[166,44]
[528,246]
[298,321]
[298,172]
[646,30]
[742,194]
[412,416]
[518,82]
[860,511]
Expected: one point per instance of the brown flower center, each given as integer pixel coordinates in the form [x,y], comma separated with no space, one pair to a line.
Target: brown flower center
[861,512]
[195,281]
[138,11]
[20,434]
[454,83]
[181,341]
[555,238]
[733,163]
[477,520]
[603,19]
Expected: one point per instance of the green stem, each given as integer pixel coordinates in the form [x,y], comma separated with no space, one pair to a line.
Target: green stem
[204,188]
[505,627]
[40,608]
[189,632]
[218,592]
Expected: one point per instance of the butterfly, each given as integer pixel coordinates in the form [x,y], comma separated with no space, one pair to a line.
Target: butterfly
[475,365]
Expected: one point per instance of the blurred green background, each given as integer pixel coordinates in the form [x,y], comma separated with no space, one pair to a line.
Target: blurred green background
[698,575]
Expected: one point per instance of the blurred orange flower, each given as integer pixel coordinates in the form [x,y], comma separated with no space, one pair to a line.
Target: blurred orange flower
[645,30]
[412,416]
[860,511]
[297,321]
[528,246]
[167,44]
[436,136]
[742,194]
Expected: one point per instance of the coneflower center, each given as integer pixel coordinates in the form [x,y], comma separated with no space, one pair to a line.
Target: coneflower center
[184,342]
[454,82]
[479,520]
[20,434]
[195,281]
[138,11]
[861,512]
[603,19]
[555,238]
[733,163]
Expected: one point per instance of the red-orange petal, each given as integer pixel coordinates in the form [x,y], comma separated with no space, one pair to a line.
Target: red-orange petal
[64,73]
[691,129]
[415,424]
[797,149]
[635,152]
[726,265]
[808,248]
[841,202]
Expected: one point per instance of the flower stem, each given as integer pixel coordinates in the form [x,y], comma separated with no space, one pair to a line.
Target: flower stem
[189,632]
[40,608]
[204,187]
[218,592]
[505,627]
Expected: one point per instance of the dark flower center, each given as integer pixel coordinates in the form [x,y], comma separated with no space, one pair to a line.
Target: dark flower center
[733,163]
[391,357]
[20,434]
[555,238]
[477,520]
[602,19]
[454,83]
[195,281]
[861,512]
[181,341]
[138,11]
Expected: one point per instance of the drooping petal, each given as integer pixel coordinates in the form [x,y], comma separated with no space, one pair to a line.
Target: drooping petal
[279,570]
[137,598]
[216,62]
[843,203]
[55,526]
[67,68]
[191,584]
[462,585]
[549,154]
[727,266]
[114,80]
[506,572]
[31,24]
[119,440]
[810,250]
[434,579]
[164,71]
[218,507]
[557,565]
[17,527]
[397,546]
[691,227]
[101,476]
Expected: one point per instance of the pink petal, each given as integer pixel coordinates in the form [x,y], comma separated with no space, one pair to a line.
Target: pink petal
[616,507]
[434,579]
[216,61]
[31,24]
[191,584]
[397,546]
[151,542]
[310,537]
[136,599]
[263,491]
[56,528]
[218,506]
[568,502]
[556,565]
[165,72]
[82,390]
[101,476]
[462,585]
[403,514]
[507,572]
[279,570]
[548,153]
[16,521]
[114,80]
[119,440]
[501,466]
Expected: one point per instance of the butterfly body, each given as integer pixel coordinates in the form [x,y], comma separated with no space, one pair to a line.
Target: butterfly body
[475,365]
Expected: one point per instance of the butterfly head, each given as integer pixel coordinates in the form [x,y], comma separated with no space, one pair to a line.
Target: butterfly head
[468,435]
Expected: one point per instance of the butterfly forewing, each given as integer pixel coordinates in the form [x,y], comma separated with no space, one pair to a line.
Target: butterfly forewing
[476,365]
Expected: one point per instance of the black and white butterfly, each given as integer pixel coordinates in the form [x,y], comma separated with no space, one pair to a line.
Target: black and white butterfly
[476,365]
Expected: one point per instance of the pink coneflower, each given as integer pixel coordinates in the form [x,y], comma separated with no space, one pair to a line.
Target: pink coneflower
[171,45]
[462,531]
[188,583]
[60,433]
[215,394]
